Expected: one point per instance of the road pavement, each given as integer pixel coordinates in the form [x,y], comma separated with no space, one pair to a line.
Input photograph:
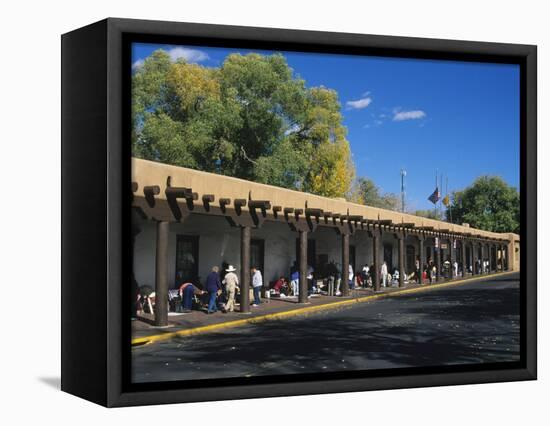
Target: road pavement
[474,322]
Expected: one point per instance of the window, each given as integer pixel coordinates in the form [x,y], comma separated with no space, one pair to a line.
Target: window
[410,259]
[257,254]
[187,259]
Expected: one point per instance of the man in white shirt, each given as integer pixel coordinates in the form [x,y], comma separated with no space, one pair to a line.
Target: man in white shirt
[257,283]
[384,273]
[231,281]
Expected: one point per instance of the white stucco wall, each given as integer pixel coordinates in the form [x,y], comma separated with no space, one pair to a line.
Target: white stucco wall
[219,243]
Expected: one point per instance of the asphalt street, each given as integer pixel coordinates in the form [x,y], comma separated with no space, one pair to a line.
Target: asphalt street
[474,322]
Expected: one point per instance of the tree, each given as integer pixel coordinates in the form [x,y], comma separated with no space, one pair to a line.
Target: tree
[368,193]
[250,118]
[430,214]
[489,204]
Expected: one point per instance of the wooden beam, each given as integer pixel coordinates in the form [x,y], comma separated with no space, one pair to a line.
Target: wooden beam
[314,212]
[239,203]
[151,190]
[259,204]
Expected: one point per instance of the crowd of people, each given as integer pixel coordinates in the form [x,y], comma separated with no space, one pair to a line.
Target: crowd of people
[220,291]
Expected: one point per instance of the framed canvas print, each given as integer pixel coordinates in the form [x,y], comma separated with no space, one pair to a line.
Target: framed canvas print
[254,212]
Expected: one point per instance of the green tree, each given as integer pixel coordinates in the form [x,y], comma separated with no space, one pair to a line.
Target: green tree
[430,214]
[251,118]
[489,204]
[368,193]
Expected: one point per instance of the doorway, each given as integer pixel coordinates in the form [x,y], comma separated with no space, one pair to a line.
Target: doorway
[410,259]
[388,255]
[257,251]
[187,259]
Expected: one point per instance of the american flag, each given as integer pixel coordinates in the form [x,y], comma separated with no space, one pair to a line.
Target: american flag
[436,195]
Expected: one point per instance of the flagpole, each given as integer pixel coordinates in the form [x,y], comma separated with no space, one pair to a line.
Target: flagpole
[441,198]
[435,204]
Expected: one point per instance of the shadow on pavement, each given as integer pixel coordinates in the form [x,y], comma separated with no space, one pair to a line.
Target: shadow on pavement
[447,327]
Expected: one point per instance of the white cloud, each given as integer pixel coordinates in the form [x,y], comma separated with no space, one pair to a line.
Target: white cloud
[138,64]
[408,115]
[190,55]
[359,103]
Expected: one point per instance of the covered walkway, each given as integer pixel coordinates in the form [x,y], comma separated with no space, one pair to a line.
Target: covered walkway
[256,223]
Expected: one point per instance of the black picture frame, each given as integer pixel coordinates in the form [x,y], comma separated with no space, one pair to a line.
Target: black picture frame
[96,203]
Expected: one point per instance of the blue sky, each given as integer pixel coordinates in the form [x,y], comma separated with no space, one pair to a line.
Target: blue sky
[460,118]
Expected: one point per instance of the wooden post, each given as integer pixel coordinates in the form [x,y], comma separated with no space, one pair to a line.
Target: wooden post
[376,260]
[245,269]
[345,264]
[161,275]
[474,259]
[452,256]
[302,295]
[401,256]
[421,258]
[464,262]
[438,259]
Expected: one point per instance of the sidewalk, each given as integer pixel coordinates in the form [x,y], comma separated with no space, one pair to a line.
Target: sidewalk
[143,330]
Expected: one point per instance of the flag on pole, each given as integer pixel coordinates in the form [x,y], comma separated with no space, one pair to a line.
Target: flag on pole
[435,197]
[446,200]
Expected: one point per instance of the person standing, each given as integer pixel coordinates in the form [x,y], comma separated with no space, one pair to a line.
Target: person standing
[231,281]
[295,282]
[351,282]
[384,273]
[257,283]
[433,273]
[213,286]
[365,274]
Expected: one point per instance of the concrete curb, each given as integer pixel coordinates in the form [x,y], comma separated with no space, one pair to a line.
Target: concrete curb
[306,310]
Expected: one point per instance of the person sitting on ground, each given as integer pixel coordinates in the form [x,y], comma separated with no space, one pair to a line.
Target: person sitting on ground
[281,286]
[359,279]
[257,283]
[395,279]
[365,273]
[311,285]
[145,296]
[186,291]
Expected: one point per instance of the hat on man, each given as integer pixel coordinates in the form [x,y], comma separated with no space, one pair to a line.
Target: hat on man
[230,269]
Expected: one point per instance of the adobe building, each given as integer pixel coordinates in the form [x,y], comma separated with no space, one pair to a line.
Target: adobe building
[186,221]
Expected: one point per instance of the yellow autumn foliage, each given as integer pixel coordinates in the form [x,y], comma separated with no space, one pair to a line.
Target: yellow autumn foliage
[191,83]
